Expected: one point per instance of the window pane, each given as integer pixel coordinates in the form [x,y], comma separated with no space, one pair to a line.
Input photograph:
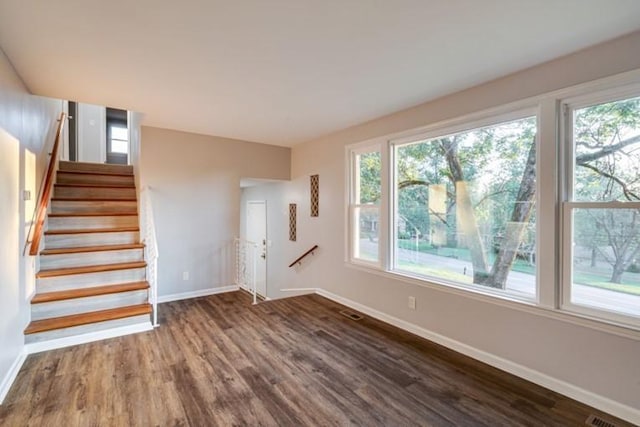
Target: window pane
[466,207]
[118,132]
[606,259]
[118,146]
[607,151]
[367,225]
[368,180]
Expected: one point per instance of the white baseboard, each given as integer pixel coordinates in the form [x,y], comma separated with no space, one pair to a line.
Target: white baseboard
[602,403]
[38,347]
[8,379]
[196,294]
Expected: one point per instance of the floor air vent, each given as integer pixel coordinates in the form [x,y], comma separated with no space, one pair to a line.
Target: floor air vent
[596,421]
[353,316]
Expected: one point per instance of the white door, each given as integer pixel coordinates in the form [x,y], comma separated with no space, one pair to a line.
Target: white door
[257,232]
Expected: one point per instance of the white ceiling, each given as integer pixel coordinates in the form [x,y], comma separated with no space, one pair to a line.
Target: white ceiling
[286,71]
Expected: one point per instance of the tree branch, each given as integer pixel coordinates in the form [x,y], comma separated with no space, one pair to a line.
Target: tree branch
[488,196]
[412,182]
[630,195]
[589,157]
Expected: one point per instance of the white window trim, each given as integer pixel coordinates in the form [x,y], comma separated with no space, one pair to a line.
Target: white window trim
[584,99]
[550,152]
[442,132]
[352,173]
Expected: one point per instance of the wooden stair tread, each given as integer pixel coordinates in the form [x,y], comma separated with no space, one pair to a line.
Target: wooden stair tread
[88,292]
[86,318]
[67,271]
[81,249]
[83,185]
[99,168]
[92,230]
[71,199]
[79,172]
[80,214]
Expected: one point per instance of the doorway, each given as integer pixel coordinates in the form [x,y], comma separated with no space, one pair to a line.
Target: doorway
[257,233]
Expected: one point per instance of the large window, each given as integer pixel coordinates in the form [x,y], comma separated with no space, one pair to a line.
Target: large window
[536,203]
[366,191]
[602,208]
[465,207]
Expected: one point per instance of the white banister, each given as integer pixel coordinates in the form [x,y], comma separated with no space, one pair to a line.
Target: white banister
[245,266]
[148,229]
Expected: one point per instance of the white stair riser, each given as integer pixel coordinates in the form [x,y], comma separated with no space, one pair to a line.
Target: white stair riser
[94,193]
[56,241]
[95,167]
[81,259]
[84,329]
[74,281]
[78,178]
[88,222]
[81,206]
[84,305]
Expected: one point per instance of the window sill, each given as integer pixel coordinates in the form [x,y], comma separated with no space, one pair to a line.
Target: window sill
[509,301]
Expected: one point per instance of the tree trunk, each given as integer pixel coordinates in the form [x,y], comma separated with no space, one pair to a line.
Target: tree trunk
[623,243]
[516,226]
[465,211]
[594,256]
[618,271]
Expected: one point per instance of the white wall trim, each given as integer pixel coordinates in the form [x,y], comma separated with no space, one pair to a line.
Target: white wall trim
[8,379]
[38,347]
[602,403]
[196,294]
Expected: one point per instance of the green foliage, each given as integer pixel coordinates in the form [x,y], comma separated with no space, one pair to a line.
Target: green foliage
[633,268]
[612,130]
[492,159]
[370,180]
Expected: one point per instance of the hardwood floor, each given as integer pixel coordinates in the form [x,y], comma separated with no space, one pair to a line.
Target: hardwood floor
[220,361]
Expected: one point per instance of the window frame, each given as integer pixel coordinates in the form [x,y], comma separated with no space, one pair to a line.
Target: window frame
[483,120]
[568,205]
[353,226]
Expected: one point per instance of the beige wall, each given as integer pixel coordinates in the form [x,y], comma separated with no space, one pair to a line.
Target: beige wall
[26,122]
[597,366]
[195,189]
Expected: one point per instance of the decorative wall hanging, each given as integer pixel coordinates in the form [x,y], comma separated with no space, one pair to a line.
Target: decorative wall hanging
[315,195]
[292,221]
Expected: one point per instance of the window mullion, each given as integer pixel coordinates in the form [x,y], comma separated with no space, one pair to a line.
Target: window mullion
[547,215]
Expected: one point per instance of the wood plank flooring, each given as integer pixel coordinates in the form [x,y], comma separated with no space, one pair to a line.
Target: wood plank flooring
[219,361]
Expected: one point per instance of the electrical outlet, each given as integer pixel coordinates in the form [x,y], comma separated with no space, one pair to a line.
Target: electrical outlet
[26,195]
[185,275]
[412,303]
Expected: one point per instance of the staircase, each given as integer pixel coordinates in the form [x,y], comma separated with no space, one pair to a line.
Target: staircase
[92,270]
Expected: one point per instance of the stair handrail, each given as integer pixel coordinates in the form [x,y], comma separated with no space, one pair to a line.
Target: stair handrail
[239,244]
[301,257]
[151,253]
[40,212]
